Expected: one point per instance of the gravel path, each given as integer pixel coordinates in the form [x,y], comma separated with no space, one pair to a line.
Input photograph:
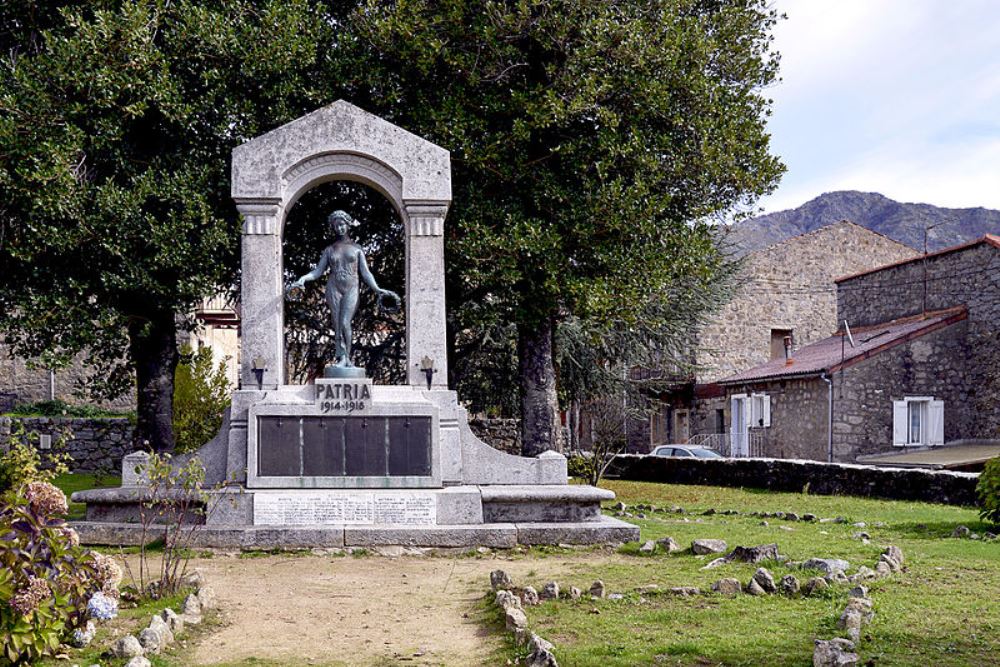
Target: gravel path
[374,610]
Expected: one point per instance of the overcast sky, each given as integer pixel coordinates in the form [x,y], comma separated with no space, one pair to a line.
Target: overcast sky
[900,97]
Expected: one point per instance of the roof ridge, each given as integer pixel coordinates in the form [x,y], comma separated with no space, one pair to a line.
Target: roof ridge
[990,239]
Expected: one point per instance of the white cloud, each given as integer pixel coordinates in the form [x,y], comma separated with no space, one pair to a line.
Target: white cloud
[892,96]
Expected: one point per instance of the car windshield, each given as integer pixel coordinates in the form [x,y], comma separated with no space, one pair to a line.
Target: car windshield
[706,453]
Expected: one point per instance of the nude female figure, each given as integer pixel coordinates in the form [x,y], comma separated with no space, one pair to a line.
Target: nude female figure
[346,260]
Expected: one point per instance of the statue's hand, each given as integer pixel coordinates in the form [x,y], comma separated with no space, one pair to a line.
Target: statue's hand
[396,301]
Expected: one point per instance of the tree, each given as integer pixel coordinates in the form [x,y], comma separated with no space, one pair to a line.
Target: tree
[116,124]
[590,141]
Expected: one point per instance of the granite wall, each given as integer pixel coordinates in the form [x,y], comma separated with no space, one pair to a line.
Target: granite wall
[955,488]
[789,285]
[799,418]
[96,445]
[27,384]
[498,432]
[970,372]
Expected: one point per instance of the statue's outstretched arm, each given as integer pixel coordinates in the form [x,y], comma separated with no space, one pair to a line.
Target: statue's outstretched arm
[316,272]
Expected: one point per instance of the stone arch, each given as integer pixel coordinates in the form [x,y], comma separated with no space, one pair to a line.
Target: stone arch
[340,142]
[319,169]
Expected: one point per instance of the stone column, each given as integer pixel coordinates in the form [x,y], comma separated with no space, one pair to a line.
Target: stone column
[262,300]
[425,303]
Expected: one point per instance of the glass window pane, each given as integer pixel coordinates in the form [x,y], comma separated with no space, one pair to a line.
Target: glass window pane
[914,410]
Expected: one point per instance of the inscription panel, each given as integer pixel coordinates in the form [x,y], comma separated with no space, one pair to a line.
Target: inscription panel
[348,446]
[401,508]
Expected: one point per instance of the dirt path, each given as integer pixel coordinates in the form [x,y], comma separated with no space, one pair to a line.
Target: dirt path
[373,610]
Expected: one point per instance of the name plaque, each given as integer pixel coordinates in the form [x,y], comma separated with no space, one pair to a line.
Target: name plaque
[400,508]
[334,396]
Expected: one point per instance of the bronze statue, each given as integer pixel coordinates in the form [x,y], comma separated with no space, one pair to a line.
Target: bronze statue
[346,260]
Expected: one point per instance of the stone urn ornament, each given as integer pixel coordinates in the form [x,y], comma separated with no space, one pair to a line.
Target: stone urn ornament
[345,260]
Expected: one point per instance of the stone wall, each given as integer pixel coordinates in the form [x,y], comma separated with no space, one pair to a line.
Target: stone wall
[499,432]
[29,385]
[789,285]
[970,276]
[96,445]
[799,418]
[955,488]
[933,365]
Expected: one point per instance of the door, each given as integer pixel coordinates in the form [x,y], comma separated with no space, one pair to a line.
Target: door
[682,429]
[738,428]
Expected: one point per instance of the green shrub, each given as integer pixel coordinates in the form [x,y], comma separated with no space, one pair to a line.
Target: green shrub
[46,578]
[989,491]
[60,408]
[201,395]
[23,463]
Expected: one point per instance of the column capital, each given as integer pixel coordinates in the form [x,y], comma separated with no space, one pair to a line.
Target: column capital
[260,216]
[426,218]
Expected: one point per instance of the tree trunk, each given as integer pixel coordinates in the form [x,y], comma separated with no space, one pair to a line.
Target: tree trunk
[153,346]
[540,428]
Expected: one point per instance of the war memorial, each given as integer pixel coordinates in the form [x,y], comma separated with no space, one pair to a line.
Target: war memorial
[344,461]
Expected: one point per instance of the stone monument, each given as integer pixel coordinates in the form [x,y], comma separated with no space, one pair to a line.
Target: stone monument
[345,462]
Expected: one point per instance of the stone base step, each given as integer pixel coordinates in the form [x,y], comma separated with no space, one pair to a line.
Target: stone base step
[496,535]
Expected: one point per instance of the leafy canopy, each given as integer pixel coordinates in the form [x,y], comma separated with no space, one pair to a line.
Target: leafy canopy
[116,127]
[590,142]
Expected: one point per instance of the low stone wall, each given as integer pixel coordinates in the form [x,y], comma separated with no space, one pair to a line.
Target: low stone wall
[954,488]
[96,445]
[499,433]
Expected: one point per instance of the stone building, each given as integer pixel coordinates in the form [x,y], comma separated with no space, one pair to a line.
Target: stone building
[918,365]
[785,291]
[21,381]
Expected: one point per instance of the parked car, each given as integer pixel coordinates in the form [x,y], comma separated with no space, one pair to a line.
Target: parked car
[686,451]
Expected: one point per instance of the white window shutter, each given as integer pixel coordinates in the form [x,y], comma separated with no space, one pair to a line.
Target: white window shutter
[765,402]
[935,422]
[899,423]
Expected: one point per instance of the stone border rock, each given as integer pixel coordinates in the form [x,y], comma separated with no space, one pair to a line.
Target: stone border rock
[162,628]
[516,621]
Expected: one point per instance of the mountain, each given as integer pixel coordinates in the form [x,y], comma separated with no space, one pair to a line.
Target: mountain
[902,222]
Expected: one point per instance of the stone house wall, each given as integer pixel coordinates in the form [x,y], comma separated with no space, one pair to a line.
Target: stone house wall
[29,385]
[799,417]
[95,445]
[932,365]
[789,285]
[967,275]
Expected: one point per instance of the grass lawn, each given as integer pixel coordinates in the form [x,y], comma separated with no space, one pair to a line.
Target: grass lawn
[71,482]
[945,610]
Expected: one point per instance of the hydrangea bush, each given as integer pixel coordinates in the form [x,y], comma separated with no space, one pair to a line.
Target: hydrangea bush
[46,578]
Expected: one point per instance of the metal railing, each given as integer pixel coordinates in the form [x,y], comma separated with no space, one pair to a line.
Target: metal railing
[750,445]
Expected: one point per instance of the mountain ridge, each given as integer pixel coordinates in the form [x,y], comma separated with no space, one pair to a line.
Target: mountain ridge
[900,221]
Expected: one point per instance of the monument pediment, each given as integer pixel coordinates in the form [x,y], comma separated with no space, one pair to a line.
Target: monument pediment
[264,167]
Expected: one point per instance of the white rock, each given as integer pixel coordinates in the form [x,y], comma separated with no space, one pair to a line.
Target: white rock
[127,647]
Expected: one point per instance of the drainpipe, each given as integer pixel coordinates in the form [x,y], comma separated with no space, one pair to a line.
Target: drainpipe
[829,408]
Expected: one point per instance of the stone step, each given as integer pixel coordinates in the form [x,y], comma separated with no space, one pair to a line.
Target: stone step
[496,535]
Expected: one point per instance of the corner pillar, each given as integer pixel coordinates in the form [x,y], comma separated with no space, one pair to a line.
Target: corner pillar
[426,334]
[261,294]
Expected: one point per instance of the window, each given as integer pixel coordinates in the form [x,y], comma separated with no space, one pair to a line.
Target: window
[760,411]
[917,421]
[778,342]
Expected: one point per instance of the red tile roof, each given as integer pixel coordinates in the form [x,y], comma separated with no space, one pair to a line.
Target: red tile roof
[991,239]
[833,353]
